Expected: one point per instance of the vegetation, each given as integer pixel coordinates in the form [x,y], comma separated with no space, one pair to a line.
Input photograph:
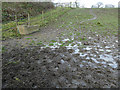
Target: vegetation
[41,20]
[21,9]
[106,22]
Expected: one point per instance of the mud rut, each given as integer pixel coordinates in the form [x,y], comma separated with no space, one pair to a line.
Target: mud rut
[75,65]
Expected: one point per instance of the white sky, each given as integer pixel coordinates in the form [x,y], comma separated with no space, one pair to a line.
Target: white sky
[89,3]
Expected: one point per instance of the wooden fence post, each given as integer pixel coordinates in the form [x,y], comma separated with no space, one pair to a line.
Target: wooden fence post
[51,16]
[42,16]
[28,19]
[16,20]
[16,24]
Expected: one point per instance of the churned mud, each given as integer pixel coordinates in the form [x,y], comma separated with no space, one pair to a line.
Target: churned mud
[60,67]
[67,62]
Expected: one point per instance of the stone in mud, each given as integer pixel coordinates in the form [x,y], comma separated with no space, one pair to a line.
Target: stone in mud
[82,83]
[76,55]
[64,67]
[70,50]
[62,80]
[68,85]
[86,43]
[74,69]
[54,83]
[67,58]
[46,50]
[75,82]
[73,86]
[61,49]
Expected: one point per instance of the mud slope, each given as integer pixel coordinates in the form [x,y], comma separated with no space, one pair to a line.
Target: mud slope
[65,57]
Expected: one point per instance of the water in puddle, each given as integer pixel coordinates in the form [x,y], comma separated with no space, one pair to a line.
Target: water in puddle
[107,47]
[81,65]
[95,60]
[88,48]
[79,43]
[101,50]
[108,50]
[115,65]
[97,48]
[76,51]
[66,40]
[62,61]
[103,62]
[87,57]
[83,55]
[69,46]
[109,58]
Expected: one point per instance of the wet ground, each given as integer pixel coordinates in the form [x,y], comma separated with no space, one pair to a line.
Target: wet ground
[88,60]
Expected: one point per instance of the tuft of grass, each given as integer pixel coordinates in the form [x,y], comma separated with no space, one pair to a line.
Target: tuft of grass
[62,45]
[53,41]
[70,34]
[78,33]
[51,44]
[61,42]
[30,43]
[28,38]
[3,49]
[17,79]
[72,44]
[70,41]
[82,38]
[13,62]
[40,43]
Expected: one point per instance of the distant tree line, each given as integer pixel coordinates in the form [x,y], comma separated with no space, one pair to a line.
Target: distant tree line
[101,5]
[21,9]
[76,4]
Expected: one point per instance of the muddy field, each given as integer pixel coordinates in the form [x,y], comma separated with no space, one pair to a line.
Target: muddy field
[83,59]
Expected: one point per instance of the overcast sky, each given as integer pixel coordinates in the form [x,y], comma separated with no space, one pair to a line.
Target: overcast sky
[89,3]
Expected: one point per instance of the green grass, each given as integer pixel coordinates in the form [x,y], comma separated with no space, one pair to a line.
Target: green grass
[51,44]
[32,42]
[3,49]
[82,39]
[13,62]
[53,41]
[106,22]
[72,20]
[62,45]
[28,38]
[40,43]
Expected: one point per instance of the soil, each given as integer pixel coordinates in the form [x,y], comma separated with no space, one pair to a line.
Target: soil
[92,66]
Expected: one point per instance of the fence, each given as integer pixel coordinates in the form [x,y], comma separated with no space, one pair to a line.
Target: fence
[31,21]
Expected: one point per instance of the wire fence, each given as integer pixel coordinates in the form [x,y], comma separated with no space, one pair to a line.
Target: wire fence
[31,20]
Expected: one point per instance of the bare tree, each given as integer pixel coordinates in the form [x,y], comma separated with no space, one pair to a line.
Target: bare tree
[76,3]
[70,4]
[109,6]
[94,6]
[99,4]
[119,4]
